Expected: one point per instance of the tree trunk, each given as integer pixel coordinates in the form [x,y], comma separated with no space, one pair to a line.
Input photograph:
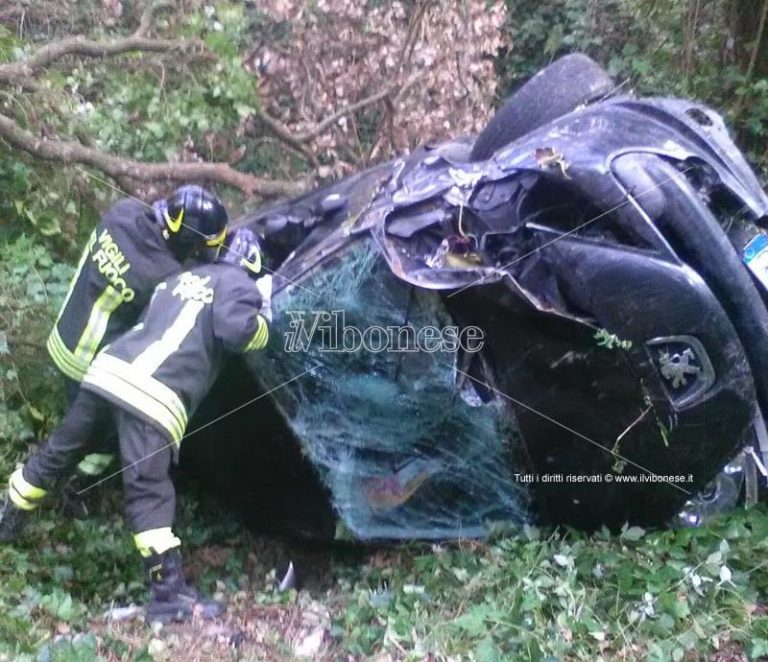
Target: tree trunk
[746,20]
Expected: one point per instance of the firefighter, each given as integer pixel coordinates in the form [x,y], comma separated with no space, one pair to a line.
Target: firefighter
[133,248]
[154,376]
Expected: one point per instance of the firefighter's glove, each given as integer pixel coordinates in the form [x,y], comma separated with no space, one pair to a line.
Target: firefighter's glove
[264,286]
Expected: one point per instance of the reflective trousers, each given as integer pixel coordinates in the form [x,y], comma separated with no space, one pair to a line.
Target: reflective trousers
[78,434]
[145,454]
[103,439]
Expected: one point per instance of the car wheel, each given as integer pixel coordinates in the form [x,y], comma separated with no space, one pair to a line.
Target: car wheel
[558,89]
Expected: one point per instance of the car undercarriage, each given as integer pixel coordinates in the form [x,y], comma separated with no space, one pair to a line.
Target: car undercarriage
[611,262]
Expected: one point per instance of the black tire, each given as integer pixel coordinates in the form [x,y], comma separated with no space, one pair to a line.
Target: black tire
[554,91]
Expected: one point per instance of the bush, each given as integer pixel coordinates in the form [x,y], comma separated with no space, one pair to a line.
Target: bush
[651,47]
[34,287]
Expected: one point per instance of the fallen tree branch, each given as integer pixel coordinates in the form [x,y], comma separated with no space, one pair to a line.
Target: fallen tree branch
[85,47]
[23,70]
[66,151]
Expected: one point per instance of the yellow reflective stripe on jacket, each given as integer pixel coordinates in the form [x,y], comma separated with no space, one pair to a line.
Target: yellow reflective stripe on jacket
[154,355]
[22,493]
[139,390]
[94,331]
[72,366]
[64,359]
[261,336]
[145,382]
[155,541]
[130,394]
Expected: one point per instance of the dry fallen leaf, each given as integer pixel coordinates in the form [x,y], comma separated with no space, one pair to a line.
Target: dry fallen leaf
[448,46]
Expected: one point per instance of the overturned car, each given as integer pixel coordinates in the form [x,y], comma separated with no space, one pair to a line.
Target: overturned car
[592,275]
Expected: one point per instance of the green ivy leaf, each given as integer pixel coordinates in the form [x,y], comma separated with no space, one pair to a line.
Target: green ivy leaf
[244,110]
[633,533]
[758,648]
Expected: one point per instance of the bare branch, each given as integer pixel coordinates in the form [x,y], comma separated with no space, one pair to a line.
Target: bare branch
[22,71]
[85,47]
[753,57]
[298,140]
[145,21]
[758,40]
[387,119]
[65,151]
[359,105]
[284,133]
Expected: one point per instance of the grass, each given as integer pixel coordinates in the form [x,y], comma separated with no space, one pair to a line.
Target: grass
[548,595]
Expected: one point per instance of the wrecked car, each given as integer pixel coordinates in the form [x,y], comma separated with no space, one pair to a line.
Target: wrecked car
[607,252]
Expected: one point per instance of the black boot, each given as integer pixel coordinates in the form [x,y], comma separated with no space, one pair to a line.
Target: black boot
[73,501]
[171,599]
[12,520]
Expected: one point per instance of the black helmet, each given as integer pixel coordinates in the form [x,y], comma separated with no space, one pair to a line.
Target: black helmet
[194,218]
[242,249]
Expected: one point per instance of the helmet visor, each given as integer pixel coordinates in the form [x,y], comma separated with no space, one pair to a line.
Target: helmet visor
[218,240]
[208,251]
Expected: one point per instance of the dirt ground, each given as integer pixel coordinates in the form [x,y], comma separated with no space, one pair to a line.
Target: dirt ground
[260,624]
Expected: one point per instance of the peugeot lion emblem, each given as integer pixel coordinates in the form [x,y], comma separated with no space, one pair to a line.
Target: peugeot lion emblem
[684,366]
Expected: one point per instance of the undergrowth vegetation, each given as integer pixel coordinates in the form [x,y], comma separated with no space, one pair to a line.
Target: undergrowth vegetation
[685,594]
[34,285]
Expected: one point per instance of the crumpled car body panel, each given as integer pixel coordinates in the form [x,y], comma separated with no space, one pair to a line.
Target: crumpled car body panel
[620,367]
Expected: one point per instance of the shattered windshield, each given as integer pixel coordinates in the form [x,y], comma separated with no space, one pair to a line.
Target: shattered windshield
[403,451]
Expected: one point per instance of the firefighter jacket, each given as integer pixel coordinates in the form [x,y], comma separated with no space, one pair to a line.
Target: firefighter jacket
[125,257]
[163,367]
